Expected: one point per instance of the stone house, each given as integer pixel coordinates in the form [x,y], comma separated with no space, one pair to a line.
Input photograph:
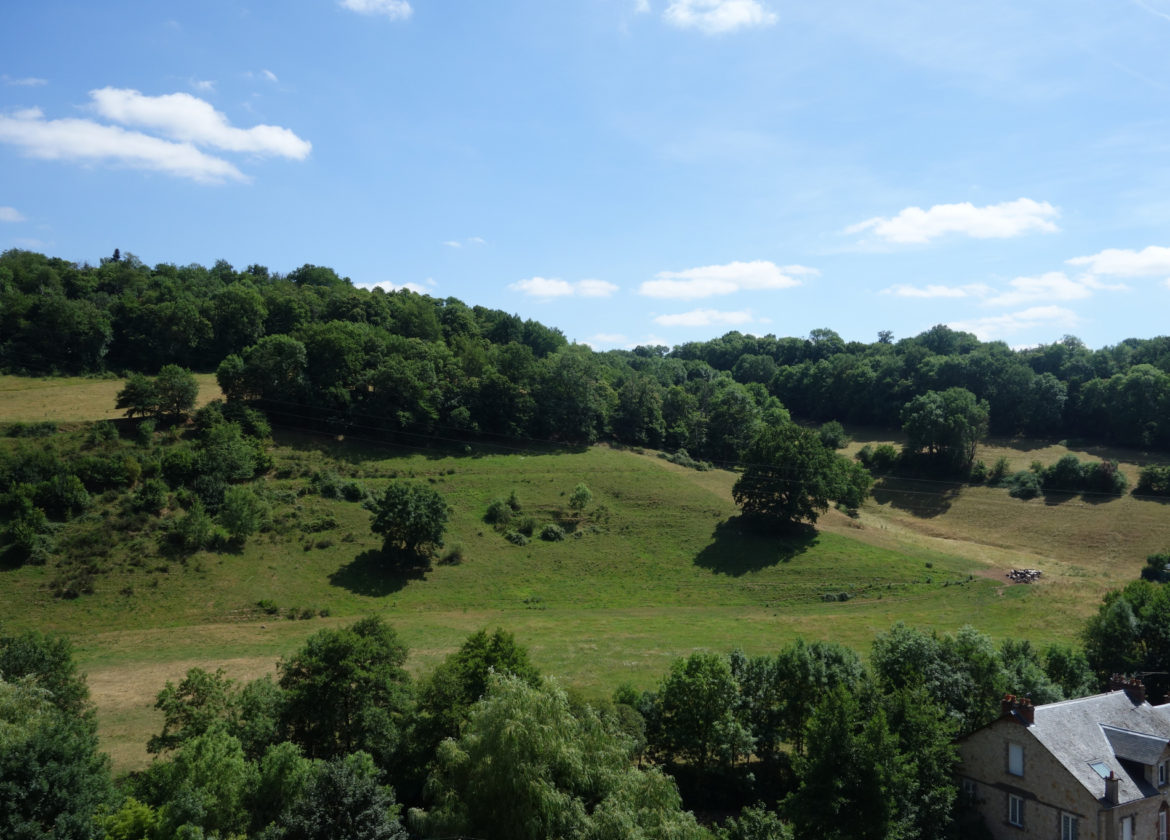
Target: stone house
[1095,768]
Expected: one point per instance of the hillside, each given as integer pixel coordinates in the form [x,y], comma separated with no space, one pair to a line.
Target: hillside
[657,568]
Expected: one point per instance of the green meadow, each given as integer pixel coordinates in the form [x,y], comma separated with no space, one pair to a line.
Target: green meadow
[655,567]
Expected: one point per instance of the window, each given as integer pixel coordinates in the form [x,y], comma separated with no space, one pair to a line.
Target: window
[969,788]
[1101,768]
[1068,827]
[1016,759]
[1127,828]
[1161,773]
[1162,824]
[1016,811]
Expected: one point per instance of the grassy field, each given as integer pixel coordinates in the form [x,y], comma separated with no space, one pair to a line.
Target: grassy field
[72,399]
[660,568]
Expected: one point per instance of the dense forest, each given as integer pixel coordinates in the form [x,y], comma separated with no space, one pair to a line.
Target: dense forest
[312,349]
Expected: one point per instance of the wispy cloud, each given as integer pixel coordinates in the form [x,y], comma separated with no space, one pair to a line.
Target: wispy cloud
[935,290]
[717,16]
[184,117]
[995,221]
[471,241]
[999,326]
[393,9]
[607,340]
[1051,286]
[706,318]
[10,214]
[203,85]
[269,75]
[86,141]
[555,287]
[1117,262]
[710,280]
[28,81]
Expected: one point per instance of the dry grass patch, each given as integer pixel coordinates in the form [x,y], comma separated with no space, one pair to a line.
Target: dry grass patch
[73,399]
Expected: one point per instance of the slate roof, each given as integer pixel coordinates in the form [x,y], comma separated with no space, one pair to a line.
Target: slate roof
[1108,728]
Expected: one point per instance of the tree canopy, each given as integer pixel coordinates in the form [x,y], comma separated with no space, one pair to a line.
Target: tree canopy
[790,477]
[410,518]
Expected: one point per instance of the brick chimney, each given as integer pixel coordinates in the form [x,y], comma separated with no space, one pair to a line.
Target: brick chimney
[1018,708]
[1134,688]
[1113,789]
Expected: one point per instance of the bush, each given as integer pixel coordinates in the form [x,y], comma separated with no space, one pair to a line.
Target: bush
[44,429]
[878,461]
[1065,476]
[242,513]
[353,491]
[1153,481]
[268,606]
[999,471]
[552,532]
[151,496]
[101,433]
[499,513]
[326,484]
[833,435]
[526,525]
[1024,485]
[1157,568]
[194,530]
[1105,477]
[145,431]
[979,473]
[453,556]
[516,538]
[683,459]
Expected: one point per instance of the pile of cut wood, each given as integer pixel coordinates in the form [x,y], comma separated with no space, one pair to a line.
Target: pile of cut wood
[1024,575]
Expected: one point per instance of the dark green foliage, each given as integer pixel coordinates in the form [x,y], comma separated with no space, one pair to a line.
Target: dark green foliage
[346,690]
[409,517]
[551,532]
[189,709]
[833,435]
[580,497]
[693,717]
[879,461]
[755,823]
[683,459]
[52,777]
[516,537]
[204,785]
[342,799]
[1069,475]
[1157,568]
[790,477]
[1025,484]
[945,426]
[242,512]
[1068,668]
[1153,481]
[48,662]
[193,530]
[499,513]
[151,495]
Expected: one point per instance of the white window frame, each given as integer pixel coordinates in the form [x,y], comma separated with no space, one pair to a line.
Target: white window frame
[1016,810]
[1069,827]
[1015,759]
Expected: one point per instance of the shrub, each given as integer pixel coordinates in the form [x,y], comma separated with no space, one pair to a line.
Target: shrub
[878,461]
[513,501]
[453,556]
[101,433]
[1153,481]
[979,472]
[1024,485]
[1105,477]
[526,525]
[684,459]
[268,606]
[1157,568]
[552,532]
[581,497]
[145,431]
[353,491]
[194,530]
[325,484]
[499,513]
[833,435]
[242,513]
[151,496]
[516,538]
[999,471]
[1066,475]
[43,429]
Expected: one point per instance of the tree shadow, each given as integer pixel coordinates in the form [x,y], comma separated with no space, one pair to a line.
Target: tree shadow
[376,573]
[923,498]
[1059,497]
[739,546]
[357,445]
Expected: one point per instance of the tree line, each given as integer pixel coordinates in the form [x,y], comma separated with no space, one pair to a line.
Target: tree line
[312,348]
[342,744]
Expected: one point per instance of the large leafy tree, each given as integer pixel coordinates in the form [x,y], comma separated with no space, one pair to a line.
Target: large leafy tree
[790,477]
[410,518]
[346,690]
[343,799]
[945,426]
[528,766]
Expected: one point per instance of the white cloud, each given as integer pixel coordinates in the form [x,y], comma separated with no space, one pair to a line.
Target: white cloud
[607,340]
[269,75]
[1051,286]
[393,9]
[184,117]
[476,240]
[471,241]
[595,288]
[10,214]
[996,326]
[451,243]
[1150,261]
[641,7]
[710,280]
[935,290]
[995,221]
[546,287]
[90,142]
[716,16]
[26,82]
[203,85]
[705,318]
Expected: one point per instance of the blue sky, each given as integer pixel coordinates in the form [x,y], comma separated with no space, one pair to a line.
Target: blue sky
[630,171]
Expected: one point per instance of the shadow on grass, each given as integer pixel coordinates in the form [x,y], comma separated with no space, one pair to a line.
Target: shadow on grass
[740,546]
[376,573]
[356,445]
[923,498]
